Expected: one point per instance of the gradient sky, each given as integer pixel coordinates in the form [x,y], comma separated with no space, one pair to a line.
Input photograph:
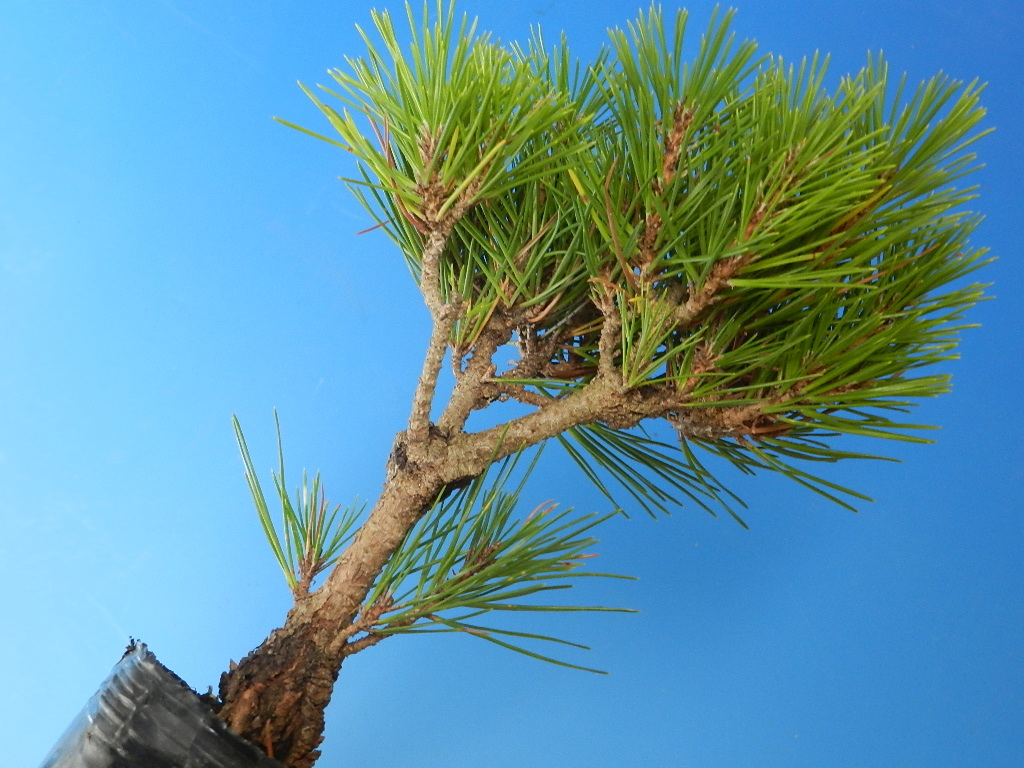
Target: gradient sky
[169,256]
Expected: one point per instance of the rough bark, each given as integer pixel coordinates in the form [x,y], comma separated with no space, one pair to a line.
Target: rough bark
[276,696]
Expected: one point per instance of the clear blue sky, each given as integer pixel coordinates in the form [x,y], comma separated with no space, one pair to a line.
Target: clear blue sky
[169,255]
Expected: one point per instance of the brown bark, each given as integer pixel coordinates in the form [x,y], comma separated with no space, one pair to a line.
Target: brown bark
[277,695]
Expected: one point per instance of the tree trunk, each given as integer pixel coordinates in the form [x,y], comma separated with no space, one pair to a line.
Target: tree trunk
[276,696]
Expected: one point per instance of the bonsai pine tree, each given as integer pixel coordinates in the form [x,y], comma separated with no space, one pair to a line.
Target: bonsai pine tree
[717,242]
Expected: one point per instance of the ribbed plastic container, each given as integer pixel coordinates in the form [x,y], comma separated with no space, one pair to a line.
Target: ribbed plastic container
[145,716]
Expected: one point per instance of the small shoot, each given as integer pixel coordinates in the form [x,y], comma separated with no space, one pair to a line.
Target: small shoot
[310,535]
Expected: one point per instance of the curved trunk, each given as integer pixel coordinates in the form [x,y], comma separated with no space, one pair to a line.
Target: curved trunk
[276,696]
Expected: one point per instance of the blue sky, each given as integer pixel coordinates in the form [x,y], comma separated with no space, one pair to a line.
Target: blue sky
[169,256]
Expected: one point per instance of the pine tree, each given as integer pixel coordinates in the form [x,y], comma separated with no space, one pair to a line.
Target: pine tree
[721,243]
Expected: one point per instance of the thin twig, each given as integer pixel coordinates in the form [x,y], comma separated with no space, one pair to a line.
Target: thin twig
[610,340]
[444,316]
[472,388]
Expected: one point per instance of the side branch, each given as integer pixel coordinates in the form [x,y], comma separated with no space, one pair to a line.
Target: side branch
[609,342]
[605,401]
[423,399]
[519,393]
[473,389]
[710,293]
[443,316]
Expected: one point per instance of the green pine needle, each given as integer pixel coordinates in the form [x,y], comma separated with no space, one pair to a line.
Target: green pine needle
[310,535]
[475,554]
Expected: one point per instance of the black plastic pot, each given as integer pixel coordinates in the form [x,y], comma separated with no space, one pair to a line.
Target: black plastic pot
[145,716]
